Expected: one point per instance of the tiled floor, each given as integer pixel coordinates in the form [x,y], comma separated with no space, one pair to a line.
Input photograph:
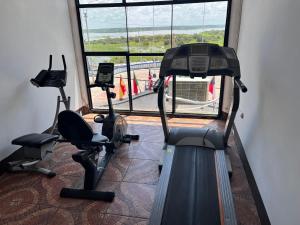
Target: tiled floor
[32,199]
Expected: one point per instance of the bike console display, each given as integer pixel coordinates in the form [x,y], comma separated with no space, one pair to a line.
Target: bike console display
[105,74]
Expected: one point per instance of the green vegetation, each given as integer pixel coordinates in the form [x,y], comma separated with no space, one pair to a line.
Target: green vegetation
[155,28]
[151,44]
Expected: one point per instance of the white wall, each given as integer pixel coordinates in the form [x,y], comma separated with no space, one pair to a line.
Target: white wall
[269,53]
[29,31]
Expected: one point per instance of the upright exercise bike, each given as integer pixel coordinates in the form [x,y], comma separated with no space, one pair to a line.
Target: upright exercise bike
[114,125]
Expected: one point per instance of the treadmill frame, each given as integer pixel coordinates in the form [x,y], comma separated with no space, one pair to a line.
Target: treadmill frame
[226,205]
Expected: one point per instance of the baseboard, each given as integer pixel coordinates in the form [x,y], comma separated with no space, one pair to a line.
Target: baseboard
[262,212]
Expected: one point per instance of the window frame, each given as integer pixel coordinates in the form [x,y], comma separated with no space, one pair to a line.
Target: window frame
[127,54]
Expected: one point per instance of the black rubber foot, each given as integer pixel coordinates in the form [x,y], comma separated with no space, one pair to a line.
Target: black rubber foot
[126,140]
[132,137]
[51,174]
[135,137]
[99,119]
[87,194]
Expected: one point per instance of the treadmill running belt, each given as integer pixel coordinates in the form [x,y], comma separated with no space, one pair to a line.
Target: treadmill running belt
[192,197]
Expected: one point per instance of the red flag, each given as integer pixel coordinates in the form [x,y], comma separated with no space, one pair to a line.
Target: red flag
[135,85]
[211,87]
[122,90]
[167,82]
[150,81]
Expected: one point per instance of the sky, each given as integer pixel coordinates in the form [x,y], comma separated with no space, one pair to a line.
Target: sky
[212,13]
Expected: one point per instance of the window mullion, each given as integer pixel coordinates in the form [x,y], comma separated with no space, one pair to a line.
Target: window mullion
[129,82]
[172,26]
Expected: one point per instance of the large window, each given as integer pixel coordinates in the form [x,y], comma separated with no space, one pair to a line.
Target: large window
[134,34]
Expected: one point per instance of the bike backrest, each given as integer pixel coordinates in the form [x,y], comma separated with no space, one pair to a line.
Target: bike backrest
[73,127]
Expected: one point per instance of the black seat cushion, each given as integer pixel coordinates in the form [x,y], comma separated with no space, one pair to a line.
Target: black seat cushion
[73,127]
[34,140]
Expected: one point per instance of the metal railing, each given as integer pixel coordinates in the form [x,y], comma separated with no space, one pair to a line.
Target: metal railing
[122,68]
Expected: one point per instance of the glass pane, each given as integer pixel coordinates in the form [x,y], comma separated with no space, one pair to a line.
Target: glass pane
[99,99]
[104,29]
[197,96]
[199,22]
[149,28]
[99,1]
[144,74]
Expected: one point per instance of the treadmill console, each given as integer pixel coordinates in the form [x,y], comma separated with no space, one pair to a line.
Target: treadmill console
[105,74]
[200,60]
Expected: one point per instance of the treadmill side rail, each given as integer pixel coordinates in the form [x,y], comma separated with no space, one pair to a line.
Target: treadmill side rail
[162,187]
[226,199]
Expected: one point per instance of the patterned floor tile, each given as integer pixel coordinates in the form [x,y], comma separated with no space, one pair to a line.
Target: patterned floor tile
[20,195]
[63,216]
[69,168]
[68,217]
[26,214]
[108,185]
[147,133]
[63,152]
[122,220]
[116,169]
[13,211]
[12,181]
[146,150]
[142,171]
[126,151]
[49,191]
[133,200]
[88,212]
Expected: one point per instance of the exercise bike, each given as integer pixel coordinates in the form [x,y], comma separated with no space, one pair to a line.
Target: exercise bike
[114,125]
[76,131]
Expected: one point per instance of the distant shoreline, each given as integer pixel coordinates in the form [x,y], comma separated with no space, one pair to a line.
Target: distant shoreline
[141,29]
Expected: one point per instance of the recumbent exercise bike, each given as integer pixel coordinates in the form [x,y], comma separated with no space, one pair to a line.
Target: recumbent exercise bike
[76,131]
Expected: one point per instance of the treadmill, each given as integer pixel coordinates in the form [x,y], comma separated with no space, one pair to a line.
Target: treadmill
[194,186]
